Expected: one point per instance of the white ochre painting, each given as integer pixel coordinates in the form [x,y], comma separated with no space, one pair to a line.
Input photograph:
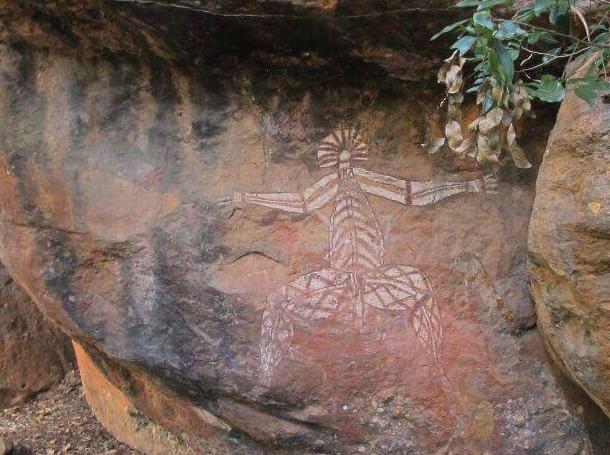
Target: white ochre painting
[356,276]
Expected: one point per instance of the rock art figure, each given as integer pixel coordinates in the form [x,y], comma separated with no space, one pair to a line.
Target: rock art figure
[356,276]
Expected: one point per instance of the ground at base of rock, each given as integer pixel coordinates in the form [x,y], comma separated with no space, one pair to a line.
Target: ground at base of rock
[58,422]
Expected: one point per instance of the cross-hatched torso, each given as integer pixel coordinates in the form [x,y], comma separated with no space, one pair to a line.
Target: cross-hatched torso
[356,242]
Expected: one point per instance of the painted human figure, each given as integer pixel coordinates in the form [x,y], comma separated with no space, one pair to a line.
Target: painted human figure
[356,276]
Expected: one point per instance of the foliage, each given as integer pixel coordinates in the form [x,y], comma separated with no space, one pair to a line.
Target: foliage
[511,60]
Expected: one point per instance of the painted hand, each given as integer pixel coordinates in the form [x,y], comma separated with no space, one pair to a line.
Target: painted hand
[224,201]
[237,200]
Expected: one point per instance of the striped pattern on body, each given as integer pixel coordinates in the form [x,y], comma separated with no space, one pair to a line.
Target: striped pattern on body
[355,238]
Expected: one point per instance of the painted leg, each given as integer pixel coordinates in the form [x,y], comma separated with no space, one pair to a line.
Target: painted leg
[405,288]
[277,330]
[426,322]
[310,297]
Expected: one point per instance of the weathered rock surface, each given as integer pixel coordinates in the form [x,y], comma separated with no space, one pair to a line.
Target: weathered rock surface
[34,354]
[5,447]
[129,139]
[570,245]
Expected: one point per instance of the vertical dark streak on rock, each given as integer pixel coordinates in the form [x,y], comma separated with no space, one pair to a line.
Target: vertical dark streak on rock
[118,120]
[126,302]
[167,320]
[21,126]
[78,100]
[59,266]
[211,104]
[163,139]
[52,24]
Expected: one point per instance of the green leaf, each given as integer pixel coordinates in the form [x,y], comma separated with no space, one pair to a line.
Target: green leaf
[602,38]
[549,89]
[542,5]
[533,37]
[448,29]
[581,80]
[587,93]
[551,54]
[488,4]
[553,15]
[468,3]
[560,8]
[502,63]
[601,86]
[547,38]
[483,4]
[483,19]
[464,44]
[508,29]
[525,15]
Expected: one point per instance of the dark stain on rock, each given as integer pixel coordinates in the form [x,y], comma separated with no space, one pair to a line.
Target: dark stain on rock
[60,263]
[22,124]
[163,138]
[211,110]
[85,113]
[196,321]
[123,88]
[53,24]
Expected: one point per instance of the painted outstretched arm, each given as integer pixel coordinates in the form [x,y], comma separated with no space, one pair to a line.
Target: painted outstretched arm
[420,193]
[306,201]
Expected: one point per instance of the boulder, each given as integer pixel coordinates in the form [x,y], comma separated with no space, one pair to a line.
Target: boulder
[34,354]
[569,244]
[5,447]
[235,220]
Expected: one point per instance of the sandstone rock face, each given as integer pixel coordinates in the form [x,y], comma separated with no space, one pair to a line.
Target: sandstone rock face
[570,245]
[237,223]
[33,353]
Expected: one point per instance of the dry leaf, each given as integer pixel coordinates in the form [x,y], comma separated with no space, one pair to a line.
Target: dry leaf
[496,91]
[519,157]
[465,146]
[435,145]
[483,89]
[488,148]
[581,16]
[521,98]
[516,152]
[454,112]
[453,80]
[517,113]
[457,98]
[453,133]
[453,60]
[491,120]
[442,73]
[511,135]
[483,148]
[474,125]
